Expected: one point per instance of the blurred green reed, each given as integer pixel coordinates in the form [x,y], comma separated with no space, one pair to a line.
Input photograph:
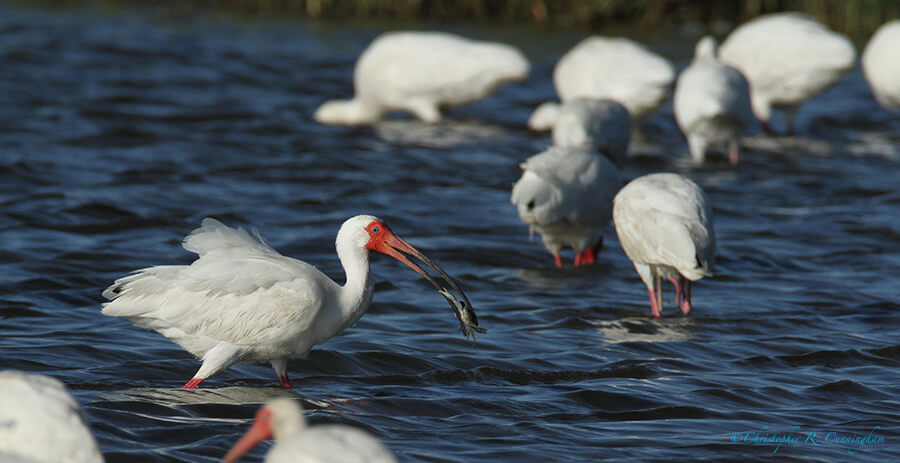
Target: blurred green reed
[857,18]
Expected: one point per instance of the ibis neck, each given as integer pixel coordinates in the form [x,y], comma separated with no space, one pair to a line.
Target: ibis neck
[288,427]
[358,288]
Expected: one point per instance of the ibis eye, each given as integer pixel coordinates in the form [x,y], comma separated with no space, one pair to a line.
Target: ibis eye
[374,230]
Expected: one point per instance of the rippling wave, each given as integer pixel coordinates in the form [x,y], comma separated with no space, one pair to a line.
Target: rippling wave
[120,133]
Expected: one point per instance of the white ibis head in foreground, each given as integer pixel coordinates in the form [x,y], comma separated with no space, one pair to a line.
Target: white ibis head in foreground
[665,226]
[295,441]
[41,422]
[241,301]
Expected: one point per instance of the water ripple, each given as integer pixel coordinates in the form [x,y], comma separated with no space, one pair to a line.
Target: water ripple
[122,132]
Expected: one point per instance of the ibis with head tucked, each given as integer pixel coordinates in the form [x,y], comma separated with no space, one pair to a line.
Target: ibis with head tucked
[881,64]
[420,72]
[614,68]
[712,103]
[788,58]
[665,225]
[565,192]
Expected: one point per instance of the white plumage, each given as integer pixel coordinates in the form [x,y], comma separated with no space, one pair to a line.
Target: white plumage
[241,301]
[881,64]
[665,225]
[565,193]
[602,125]
[614,68]
[712,103]
[41,422]
[419,72]
[788,58]
[295,442]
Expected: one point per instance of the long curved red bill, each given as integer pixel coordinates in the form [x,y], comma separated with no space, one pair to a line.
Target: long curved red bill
[257,433]
[390,244]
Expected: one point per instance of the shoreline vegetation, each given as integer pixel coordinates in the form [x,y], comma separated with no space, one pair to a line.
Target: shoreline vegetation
[856,18]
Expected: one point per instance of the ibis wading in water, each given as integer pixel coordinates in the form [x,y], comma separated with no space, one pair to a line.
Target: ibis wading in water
[296,442]
[665,226]
[419,72]
[614,68]
[602,125]
[41,422]
[566,192]
[241,301]
[712,103]
[788,58]
[881,64]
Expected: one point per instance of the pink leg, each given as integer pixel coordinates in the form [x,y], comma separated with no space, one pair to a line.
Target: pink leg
[558,260]
[578,259]
[285,382]
[675,281]
[654,307]
[193,383]
[589,256]
[686,302]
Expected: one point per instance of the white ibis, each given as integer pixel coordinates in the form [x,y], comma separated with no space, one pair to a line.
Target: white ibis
[788,58]
[712,103]
[614,68]
[600,124]
[419,72]
[565,193]
[881,64]
[41,422]
[241,301]
[296,442]
[665,225]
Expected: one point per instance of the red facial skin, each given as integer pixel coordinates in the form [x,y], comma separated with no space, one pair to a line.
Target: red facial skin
[383,240]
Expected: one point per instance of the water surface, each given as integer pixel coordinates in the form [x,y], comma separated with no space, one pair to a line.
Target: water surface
[119,133]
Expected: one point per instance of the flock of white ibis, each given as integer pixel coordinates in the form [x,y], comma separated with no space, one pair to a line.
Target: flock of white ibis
[242,301]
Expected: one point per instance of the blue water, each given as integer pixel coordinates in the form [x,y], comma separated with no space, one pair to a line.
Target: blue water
[119,132]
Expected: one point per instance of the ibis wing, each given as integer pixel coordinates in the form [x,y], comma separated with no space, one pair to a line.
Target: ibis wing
[239,290]
[708,90]
[565,183]
[617,68]
[665,219]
